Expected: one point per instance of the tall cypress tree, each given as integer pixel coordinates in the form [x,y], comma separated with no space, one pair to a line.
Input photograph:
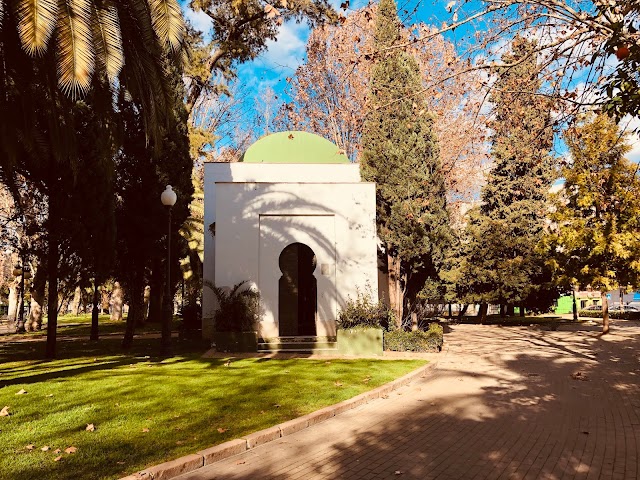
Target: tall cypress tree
[508,228]
[401,156]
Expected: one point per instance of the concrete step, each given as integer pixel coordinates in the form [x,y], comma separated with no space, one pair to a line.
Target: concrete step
[298,345]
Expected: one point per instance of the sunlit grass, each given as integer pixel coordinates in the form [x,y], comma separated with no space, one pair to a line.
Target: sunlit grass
[182,402]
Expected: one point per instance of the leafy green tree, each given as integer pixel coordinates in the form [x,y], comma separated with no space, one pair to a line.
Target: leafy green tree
[597,214]
[141,219]
[401,156]
[504,234]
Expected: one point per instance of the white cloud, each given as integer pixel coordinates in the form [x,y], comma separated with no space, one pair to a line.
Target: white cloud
[199,20]
[631,124]
[288,49]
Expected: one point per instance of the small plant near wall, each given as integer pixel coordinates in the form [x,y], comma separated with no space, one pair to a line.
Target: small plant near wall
[364,312]
[238,308]
[416,341]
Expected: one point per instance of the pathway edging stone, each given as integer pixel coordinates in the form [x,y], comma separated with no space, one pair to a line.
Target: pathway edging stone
[189,463]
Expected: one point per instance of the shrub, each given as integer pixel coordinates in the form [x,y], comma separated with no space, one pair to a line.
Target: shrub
[238,310]
[363,311]
[615,314]
[418,341]
[192,317]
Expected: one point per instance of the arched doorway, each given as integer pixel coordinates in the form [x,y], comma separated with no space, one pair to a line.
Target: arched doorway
[297,291]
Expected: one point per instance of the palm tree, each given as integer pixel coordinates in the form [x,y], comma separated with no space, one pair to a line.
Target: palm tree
[93,37]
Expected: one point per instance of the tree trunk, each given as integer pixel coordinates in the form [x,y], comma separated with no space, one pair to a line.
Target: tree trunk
[463,310]
[511,311]
[13,306]
[95,311]
[145,303]
[605,313]
[621,300]
[52,307]
[34,322]
[396,299]
[75,304]
[135,310]
[522,310]
[104,301]
[450,311]
[157,292]
[503,309]
[116,302]
[482,312]
[414,321]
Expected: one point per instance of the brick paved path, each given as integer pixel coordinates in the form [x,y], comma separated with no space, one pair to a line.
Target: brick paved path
[500,403]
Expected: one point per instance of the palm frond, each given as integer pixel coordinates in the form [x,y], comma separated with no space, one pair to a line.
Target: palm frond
[108,39]
[75,51]
[167,22]
[36,21]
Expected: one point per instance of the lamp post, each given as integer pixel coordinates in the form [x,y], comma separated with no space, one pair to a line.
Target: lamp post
[168,199]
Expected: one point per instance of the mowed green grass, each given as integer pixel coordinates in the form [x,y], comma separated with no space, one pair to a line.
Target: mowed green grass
[146,410]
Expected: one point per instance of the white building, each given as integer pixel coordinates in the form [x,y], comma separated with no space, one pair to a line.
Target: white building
[294,219]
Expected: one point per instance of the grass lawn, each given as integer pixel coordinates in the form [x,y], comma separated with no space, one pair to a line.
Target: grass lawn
[79,325]
[146,410]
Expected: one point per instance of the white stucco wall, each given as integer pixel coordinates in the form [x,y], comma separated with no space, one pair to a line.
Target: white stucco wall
[255,221]
[252,172]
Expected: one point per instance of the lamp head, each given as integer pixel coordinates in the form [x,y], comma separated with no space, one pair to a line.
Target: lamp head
[168,197]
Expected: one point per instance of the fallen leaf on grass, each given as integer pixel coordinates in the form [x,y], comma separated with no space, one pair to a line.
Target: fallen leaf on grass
[179,442]
[50,395]
[31,446]
[145,430]
[366,379]
[57,450]
[70,450]
[277,405]
[22,391]
[120,463]
[338,384]
[57,459]
[90,427]
[222,430]
[5,412]
[46,448]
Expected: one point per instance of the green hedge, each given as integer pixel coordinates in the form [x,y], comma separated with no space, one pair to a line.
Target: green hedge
[615,314]
[418,341]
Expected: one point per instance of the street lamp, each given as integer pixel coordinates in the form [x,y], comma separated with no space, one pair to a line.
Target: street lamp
[24,273]
[168,199]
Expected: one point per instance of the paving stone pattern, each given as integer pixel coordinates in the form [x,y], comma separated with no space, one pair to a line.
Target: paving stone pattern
[500,403]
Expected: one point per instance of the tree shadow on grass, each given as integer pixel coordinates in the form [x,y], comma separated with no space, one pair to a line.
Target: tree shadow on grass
[520,404]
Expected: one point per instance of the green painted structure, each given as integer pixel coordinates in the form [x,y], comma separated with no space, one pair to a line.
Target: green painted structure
[294,147]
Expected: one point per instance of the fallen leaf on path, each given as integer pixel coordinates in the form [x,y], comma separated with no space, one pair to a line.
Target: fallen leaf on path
[5,412]
[222,430]
[397,472]
[22,391]
[31,446]
[385,396]
[585,432]
[145,430]
[90,427]
[70,450]
[46,448]
[57,459]
[579,376]
[240,462]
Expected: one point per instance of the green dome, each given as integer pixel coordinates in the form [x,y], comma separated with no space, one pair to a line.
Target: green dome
[294,147]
